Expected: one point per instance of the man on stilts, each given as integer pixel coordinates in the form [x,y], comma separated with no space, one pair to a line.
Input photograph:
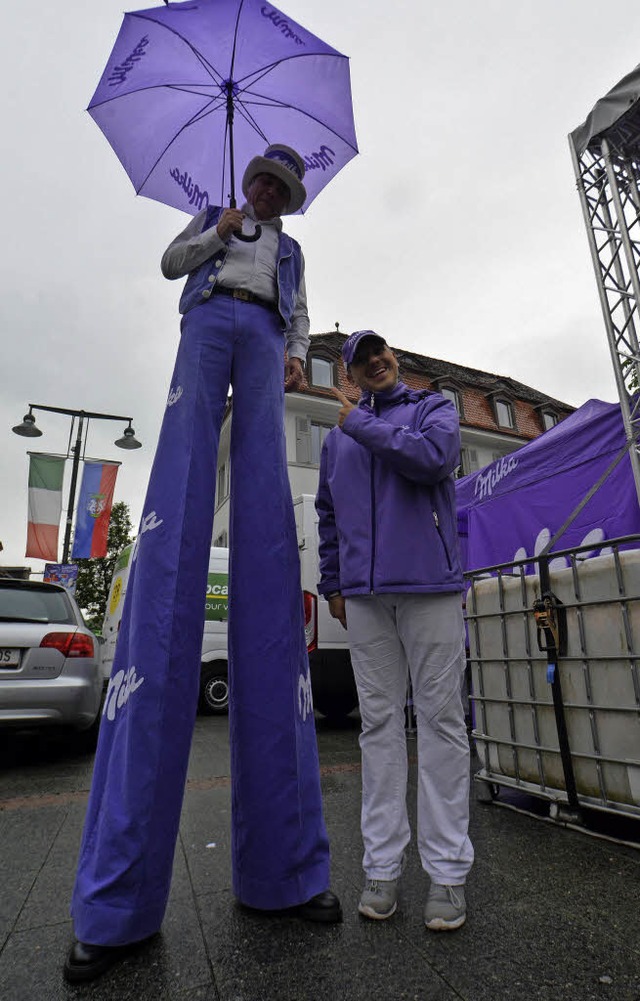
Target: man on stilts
[243,303]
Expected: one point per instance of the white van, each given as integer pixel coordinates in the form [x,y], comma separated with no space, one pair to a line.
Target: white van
[214,686]
[334,691]
[214,671]
[332,681]
[113,611]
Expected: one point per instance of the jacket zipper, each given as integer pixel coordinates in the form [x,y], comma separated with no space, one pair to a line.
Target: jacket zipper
[438,530]
[372,404]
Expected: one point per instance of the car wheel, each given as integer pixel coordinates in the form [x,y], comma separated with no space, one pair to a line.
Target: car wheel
[214,689]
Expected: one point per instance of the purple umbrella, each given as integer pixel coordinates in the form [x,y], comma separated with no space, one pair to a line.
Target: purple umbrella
[191,86]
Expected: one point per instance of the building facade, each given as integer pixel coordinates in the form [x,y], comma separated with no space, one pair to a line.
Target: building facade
[497,415]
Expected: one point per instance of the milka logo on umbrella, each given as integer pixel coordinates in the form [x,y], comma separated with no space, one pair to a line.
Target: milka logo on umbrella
[96,505]
[197,196]
[281,23]
[120,72]
[324,158]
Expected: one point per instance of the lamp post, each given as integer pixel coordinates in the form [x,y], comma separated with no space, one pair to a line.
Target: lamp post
[28,429]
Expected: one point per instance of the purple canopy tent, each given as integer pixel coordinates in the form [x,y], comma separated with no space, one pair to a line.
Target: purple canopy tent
[512,508]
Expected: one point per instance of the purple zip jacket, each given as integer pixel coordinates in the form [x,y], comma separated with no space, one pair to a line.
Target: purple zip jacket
[386,498]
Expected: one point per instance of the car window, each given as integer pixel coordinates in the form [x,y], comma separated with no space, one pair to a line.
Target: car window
[33,604]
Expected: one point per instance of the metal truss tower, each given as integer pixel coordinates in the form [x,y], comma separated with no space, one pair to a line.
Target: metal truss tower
[606,158]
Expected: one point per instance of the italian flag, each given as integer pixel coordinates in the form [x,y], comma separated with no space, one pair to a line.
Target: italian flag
[46,473]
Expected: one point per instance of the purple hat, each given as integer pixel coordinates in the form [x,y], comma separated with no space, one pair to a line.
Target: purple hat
[351,344]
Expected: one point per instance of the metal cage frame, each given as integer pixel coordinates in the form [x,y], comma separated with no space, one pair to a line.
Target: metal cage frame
[513,620]
[608,181]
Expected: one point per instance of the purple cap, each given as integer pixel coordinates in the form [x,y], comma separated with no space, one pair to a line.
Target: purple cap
[351,344]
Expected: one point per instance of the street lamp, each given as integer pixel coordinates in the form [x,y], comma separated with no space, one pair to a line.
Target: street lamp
[28,429]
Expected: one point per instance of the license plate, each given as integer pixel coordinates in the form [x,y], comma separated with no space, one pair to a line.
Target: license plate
[9,657]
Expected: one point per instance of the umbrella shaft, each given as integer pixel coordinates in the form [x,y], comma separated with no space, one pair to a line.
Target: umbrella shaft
[232,172]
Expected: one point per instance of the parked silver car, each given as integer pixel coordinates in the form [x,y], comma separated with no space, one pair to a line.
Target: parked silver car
[49,660]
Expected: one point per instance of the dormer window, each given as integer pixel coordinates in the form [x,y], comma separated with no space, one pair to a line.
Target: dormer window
[503,413]
[452,394]
[321,372]
[549,419]
[451,391]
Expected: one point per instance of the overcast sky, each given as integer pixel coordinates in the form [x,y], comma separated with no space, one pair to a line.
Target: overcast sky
[457,232]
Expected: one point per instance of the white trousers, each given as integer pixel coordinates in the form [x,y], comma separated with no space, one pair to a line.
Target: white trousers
[392,637]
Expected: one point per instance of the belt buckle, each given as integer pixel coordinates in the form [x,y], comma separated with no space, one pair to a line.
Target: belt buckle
[242,294]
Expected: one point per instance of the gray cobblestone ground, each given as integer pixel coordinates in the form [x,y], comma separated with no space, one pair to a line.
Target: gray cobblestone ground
[553,913]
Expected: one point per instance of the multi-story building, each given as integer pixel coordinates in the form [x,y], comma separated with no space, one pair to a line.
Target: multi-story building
[497,415]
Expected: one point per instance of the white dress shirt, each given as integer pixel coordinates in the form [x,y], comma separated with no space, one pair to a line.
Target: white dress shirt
[250,266]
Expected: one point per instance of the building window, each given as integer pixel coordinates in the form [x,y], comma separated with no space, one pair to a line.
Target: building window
[453,395]
[321,372]
[222,540]
[223,484]
[504,414]
[318,434]
[310,436]
[549,419]
[468,462]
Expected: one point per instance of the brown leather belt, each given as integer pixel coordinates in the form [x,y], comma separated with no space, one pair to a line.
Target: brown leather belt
[244,296]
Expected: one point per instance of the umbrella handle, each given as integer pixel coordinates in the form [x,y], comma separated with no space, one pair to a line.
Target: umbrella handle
[249,239]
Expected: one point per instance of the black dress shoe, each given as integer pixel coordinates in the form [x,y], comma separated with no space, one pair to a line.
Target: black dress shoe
[86,962]
[323,907]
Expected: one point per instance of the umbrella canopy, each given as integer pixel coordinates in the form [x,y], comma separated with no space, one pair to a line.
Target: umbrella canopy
[184,80]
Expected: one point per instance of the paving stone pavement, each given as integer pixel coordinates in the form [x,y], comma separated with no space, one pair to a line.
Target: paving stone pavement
[553,912]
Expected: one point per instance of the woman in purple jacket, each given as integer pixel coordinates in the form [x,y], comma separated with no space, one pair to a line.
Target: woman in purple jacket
[390,570]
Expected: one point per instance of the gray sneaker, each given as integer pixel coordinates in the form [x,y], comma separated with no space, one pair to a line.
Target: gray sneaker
[445,908]
[379,898]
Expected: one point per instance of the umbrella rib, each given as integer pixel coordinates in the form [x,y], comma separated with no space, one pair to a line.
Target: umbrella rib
[250,120]
[270,102]
[183,128]
[257,74]
[184,87]
[214,73]
[260,74]
[214,103]
[235,38]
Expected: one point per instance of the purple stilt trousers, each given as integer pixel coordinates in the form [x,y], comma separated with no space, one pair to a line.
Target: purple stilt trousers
[280,850]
